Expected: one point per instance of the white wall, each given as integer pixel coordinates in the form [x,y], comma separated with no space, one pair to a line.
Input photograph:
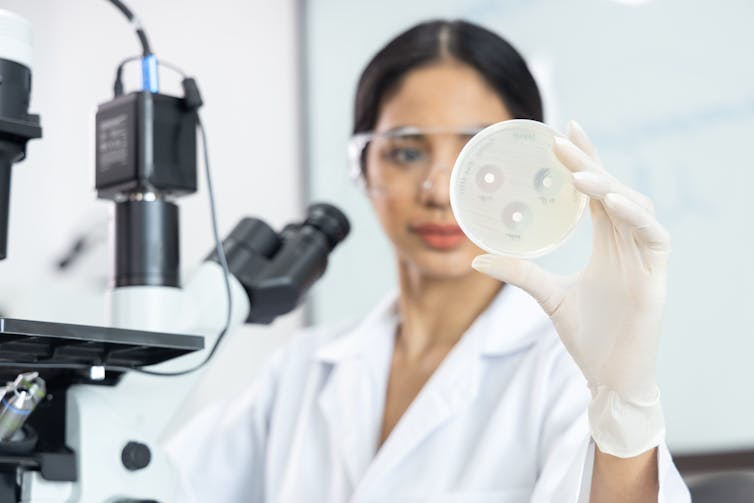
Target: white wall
[244,56]
[666,89]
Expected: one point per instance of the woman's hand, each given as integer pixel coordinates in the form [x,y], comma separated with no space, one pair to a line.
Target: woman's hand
[609,315]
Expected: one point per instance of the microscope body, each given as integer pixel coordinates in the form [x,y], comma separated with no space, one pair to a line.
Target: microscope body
[117,432]
[111,424]
[270,273]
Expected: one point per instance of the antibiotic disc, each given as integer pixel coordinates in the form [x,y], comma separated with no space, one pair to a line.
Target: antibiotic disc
[510,194]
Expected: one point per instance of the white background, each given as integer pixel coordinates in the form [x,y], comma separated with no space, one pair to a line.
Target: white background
[244,57]
[666,90]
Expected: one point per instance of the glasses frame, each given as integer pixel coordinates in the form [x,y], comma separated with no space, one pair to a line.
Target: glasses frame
[358,142]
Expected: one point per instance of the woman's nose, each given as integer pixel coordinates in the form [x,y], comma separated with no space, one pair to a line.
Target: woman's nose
[435,189]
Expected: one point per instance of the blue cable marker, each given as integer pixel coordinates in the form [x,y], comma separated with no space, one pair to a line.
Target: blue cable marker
[150,81]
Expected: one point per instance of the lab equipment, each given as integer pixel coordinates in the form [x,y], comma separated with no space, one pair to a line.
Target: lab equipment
[276,269]
[50,462]
[509,193]
[100,434]
[609,315]
[19,399]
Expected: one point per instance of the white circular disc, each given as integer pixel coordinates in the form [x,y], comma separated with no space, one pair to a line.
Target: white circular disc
[510,194]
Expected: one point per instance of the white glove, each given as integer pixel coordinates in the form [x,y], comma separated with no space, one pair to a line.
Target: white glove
[609,315]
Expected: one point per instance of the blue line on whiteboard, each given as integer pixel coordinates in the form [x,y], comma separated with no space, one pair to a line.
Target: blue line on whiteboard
[693,122]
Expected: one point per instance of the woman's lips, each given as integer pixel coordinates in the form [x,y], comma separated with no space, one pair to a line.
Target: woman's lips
[440,236]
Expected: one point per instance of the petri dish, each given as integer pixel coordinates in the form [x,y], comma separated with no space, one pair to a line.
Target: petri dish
[509,192]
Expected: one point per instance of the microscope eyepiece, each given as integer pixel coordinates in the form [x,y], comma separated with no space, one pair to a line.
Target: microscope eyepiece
[330,221]
[277,270]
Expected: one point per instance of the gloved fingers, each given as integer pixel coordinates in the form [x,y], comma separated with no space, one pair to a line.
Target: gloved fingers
[574,158]
[598,185]
[579,155]
[605,241]
[648,232]
[579,138]
[602,229]
[540,284]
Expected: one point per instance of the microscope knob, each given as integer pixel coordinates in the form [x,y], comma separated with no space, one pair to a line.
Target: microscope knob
[135,456]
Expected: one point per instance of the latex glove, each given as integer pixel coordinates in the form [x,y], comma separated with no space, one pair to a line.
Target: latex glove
[609,315]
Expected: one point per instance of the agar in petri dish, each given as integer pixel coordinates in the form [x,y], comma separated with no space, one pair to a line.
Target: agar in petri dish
[509,192]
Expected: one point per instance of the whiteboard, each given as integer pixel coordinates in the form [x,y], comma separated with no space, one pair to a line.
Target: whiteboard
[666,90]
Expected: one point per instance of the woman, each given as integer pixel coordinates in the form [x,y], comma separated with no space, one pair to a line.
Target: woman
[460,387]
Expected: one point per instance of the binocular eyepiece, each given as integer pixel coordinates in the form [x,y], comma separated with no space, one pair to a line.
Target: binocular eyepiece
[277,269]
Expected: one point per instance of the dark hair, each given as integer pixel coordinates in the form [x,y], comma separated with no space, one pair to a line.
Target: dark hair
[494,58]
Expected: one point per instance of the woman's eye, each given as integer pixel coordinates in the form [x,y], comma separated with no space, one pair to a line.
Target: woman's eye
[406,155]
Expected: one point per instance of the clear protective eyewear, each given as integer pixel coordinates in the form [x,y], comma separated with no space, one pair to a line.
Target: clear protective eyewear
[404,160]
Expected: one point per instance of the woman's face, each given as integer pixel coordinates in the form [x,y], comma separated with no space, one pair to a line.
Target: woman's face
[409,175]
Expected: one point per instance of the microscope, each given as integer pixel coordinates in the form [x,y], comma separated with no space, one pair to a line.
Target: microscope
[86,408]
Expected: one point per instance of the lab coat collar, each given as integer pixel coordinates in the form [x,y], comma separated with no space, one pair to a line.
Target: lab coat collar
[508,325]
[511,322]
[352,398]
[359,340]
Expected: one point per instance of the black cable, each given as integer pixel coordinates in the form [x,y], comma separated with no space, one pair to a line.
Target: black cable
[122,7]
[145,47]
[194,99]
[118,83]
[226,275]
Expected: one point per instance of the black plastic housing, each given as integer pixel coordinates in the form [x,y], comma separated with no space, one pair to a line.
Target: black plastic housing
[145,142]
[80,346]
[17,127]
[146,244]
[277,270]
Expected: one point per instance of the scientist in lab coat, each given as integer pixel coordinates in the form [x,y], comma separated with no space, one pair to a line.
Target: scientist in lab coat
[483,379]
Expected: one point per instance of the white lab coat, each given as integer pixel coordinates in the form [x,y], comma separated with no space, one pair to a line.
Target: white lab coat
[503,419]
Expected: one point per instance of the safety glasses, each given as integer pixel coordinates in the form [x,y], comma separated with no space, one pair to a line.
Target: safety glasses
[403,159]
